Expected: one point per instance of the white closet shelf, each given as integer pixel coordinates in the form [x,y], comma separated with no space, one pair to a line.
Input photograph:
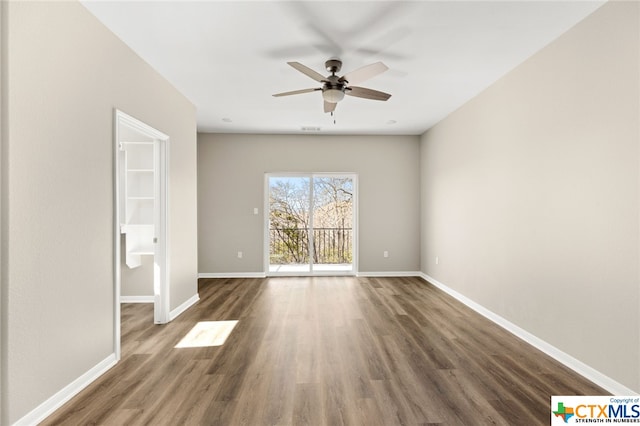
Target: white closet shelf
[138,199]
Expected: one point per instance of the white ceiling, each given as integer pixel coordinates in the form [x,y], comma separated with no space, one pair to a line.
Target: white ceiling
[229,57]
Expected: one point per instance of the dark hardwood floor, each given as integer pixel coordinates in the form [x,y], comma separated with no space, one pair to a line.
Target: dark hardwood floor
[324,351]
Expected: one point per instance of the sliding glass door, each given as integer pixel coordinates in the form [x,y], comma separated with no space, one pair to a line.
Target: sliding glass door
[311,224]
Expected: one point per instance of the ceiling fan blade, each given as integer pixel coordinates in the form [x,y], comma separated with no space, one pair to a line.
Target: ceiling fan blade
[382,46]
[287,52]
[315,18]
[295,92]
[307,71]
[364,73]
[329,106]
[362,92]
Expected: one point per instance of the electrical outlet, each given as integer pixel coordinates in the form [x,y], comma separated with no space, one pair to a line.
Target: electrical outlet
[255,210]
[437,260]
[385,254]
[239,255]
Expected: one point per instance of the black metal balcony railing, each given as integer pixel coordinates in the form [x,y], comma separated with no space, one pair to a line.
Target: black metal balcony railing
[291,245]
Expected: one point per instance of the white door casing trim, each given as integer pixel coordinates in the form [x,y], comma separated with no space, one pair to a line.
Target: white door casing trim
[161,258]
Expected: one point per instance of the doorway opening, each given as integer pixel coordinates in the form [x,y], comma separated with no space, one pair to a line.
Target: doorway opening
[140,231]
[310,228]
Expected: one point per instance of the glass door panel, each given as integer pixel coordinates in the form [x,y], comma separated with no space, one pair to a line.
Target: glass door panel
[332,231]
[289,223]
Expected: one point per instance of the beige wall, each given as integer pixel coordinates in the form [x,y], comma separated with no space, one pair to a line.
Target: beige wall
[66,74]
[3,223]
[530,195]
[231,171]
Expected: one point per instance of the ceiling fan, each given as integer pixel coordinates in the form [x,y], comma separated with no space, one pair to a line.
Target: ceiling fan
[334,88]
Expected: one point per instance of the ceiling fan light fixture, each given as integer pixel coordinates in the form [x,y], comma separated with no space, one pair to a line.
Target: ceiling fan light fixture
[335,87]
[333,95]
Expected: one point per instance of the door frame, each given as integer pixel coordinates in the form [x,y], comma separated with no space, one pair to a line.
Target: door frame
[267,211]
[161,218]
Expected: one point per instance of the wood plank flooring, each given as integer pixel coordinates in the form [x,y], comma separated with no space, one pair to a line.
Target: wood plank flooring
[324,351]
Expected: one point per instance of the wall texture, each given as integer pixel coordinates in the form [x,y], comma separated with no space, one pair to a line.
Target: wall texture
[231,173]
[530,195]
[66,73]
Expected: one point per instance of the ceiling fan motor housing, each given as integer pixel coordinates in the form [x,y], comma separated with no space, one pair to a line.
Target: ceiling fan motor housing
[333,65]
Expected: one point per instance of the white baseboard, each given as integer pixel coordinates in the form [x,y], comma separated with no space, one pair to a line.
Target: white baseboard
[186,305]
[389,274]
[263,275]
[72,389]
[136,299]
[576,365]
[233,275]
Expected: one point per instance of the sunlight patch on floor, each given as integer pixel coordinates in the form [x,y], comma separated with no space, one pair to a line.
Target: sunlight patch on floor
[207,333]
